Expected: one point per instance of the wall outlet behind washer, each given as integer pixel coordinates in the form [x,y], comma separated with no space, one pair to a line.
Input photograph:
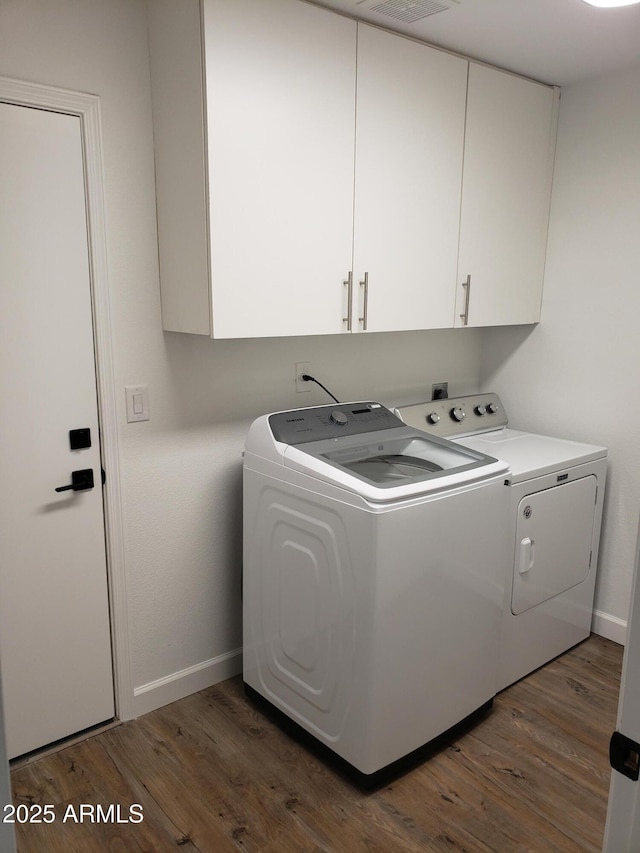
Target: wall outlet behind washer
[440,391]
[301,385]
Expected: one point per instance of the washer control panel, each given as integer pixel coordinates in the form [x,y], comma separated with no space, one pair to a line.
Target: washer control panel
[456,416]
[322,422]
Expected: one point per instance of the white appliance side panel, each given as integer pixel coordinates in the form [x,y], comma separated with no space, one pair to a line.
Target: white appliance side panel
[440,570]
[298,603]
[554,530]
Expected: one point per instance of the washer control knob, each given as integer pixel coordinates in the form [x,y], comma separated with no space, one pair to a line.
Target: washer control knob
[433,418]
[492,408]
[458,414]
[480,410]
[338,418]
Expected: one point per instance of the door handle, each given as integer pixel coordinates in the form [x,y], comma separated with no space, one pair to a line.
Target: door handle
[80,480]
[527,554]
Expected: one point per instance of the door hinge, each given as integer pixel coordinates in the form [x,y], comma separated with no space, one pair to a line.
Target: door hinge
[624,756]
[103,474]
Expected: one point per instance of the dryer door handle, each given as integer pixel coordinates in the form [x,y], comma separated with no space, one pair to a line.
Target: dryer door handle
[527,554]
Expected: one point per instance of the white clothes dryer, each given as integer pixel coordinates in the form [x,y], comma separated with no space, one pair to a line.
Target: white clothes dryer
[556,491]
[372,580]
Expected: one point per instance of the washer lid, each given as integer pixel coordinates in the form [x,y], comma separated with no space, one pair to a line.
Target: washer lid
[530,455]
[392,464]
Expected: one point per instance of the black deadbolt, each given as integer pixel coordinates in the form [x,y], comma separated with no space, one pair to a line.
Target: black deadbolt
[79,439]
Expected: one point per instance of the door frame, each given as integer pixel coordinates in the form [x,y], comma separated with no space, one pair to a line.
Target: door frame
[622,829]
[87,108]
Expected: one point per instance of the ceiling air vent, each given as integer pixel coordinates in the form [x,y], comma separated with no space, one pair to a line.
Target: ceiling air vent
[409,11]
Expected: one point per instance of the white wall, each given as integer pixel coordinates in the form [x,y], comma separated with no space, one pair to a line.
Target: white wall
[181,471]
[184,474]
[576,374]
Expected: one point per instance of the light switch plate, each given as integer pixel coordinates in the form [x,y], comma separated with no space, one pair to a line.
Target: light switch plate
[137,397]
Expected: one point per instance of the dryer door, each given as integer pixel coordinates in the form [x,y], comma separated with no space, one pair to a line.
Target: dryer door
[553,542]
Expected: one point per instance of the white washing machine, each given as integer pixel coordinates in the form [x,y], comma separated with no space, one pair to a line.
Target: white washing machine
[555,511]
[372,578]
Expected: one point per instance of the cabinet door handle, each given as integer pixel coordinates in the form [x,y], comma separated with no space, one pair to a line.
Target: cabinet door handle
[465,315]
[365,307]
[349,285]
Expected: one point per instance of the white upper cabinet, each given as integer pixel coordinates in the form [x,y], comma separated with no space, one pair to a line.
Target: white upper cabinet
[409,148]
[508,166]
[255,177]
[280,123]
[310,173]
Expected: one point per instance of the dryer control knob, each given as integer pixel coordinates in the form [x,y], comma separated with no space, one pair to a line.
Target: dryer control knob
[433,418]
[458,414]
[338,418]
[492,408]
[480,410]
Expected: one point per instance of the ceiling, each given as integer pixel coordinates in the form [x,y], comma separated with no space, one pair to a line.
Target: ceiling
[554,41]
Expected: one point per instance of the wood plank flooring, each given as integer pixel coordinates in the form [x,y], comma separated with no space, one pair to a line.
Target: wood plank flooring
[212,774]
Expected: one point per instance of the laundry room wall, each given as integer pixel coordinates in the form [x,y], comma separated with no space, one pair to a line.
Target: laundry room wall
[181,470]
[576,374]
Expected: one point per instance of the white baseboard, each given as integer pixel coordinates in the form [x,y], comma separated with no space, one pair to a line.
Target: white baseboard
[176,686]
[609,627]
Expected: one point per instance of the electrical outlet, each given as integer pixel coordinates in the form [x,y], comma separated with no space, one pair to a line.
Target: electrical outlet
[301,385]
[440,391]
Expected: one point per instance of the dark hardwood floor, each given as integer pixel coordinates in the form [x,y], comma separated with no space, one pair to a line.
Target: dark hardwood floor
[212,774]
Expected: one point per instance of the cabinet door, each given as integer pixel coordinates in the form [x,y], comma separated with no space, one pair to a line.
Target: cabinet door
[508,161]
[409,148]
[280,89]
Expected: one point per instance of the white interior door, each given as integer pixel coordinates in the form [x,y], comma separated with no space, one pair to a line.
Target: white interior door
[622,832]
[54,618]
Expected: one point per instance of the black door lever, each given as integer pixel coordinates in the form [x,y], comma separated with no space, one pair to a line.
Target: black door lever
[80,480]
